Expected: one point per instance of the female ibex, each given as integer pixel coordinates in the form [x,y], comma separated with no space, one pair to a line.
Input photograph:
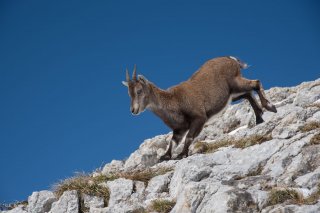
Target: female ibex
[186,107]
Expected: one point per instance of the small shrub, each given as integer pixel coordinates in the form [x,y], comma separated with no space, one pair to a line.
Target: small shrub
[252,140]
[310,126]
[162,206]
[277,196]
[315,139]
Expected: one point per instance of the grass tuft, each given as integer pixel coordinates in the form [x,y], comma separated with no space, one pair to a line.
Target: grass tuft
[204,147]
[277,196]
[310,126]
[87,184]
[162,206]
[315,139]
[84,184]
[252,140]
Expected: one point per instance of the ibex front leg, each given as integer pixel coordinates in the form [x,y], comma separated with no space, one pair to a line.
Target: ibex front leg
[176,138]
[195,129]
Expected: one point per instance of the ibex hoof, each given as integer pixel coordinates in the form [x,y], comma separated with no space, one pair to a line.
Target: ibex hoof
[259,120]
[271,108]
[164,158]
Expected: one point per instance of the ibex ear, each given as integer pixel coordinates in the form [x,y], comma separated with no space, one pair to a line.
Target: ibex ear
[125,83]
[142,79]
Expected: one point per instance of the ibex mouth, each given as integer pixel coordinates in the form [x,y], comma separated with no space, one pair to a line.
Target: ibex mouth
[135,112]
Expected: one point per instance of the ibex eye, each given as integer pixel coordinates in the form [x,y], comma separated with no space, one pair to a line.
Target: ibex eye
[139,92]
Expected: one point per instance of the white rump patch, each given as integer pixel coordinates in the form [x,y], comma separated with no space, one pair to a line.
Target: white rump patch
[234,58]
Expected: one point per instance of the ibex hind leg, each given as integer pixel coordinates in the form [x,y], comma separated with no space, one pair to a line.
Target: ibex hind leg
[245,85]
[254,104]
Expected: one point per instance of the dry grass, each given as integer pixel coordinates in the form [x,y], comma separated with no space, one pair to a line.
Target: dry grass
[84,184]
[277,196]
[317,105]
[252,140]
[310,126]
[162,206]
[204,147]
[145,175]
[315,139]
[313,198]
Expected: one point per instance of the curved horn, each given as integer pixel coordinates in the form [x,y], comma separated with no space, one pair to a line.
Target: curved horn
[127,75]
[134,75]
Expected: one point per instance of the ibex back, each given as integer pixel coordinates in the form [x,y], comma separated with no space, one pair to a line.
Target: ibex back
[186,107]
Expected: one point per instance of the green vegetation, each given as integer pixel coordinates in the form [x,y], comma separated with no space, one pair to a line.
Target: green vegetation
[162,206]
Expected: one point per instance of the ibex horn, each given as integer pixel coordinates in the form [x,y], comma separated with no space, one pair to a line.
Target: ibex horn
[134,75]
[127,75]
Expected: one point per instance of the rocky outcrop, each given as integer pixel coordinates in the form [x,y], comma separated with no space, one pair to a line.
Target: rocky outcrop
[237,175]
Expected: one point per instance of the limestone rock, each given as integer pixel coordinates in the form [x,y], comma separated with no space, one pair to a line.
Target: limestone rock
[40,202]
[120,190]
[68,203]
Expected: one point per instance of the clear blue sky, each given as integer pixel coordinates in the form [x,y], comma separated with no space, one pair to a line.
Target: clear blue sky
[62,105]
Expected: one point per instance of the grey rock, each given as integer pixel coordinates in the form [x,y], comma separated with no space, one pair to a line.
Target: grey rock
[114,166]
[92,201]
[159,183]
[41,201]
[68,203]
[120,191]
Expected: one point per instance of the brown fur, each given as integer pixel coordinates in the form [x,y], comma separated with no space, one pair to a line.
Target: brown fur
[186,107]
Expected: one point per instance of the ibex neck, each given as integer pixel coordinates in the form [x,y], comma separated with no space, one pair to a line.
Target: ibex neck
[159,100]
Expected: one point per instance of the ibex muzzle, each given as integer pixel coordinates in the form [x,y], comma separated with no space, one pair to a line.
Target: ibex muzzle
[186,107]
[138,92]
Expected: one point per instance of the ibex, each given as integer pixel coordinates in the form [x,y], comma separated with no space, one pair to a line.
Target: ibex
[186,107]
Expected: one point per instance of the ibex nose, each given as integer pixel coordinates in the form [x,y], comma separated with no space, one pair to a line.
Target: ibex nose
[131,109]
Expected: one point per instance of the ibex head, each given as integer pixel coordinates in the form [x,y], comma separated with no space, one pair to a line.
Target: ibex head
[138,91]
